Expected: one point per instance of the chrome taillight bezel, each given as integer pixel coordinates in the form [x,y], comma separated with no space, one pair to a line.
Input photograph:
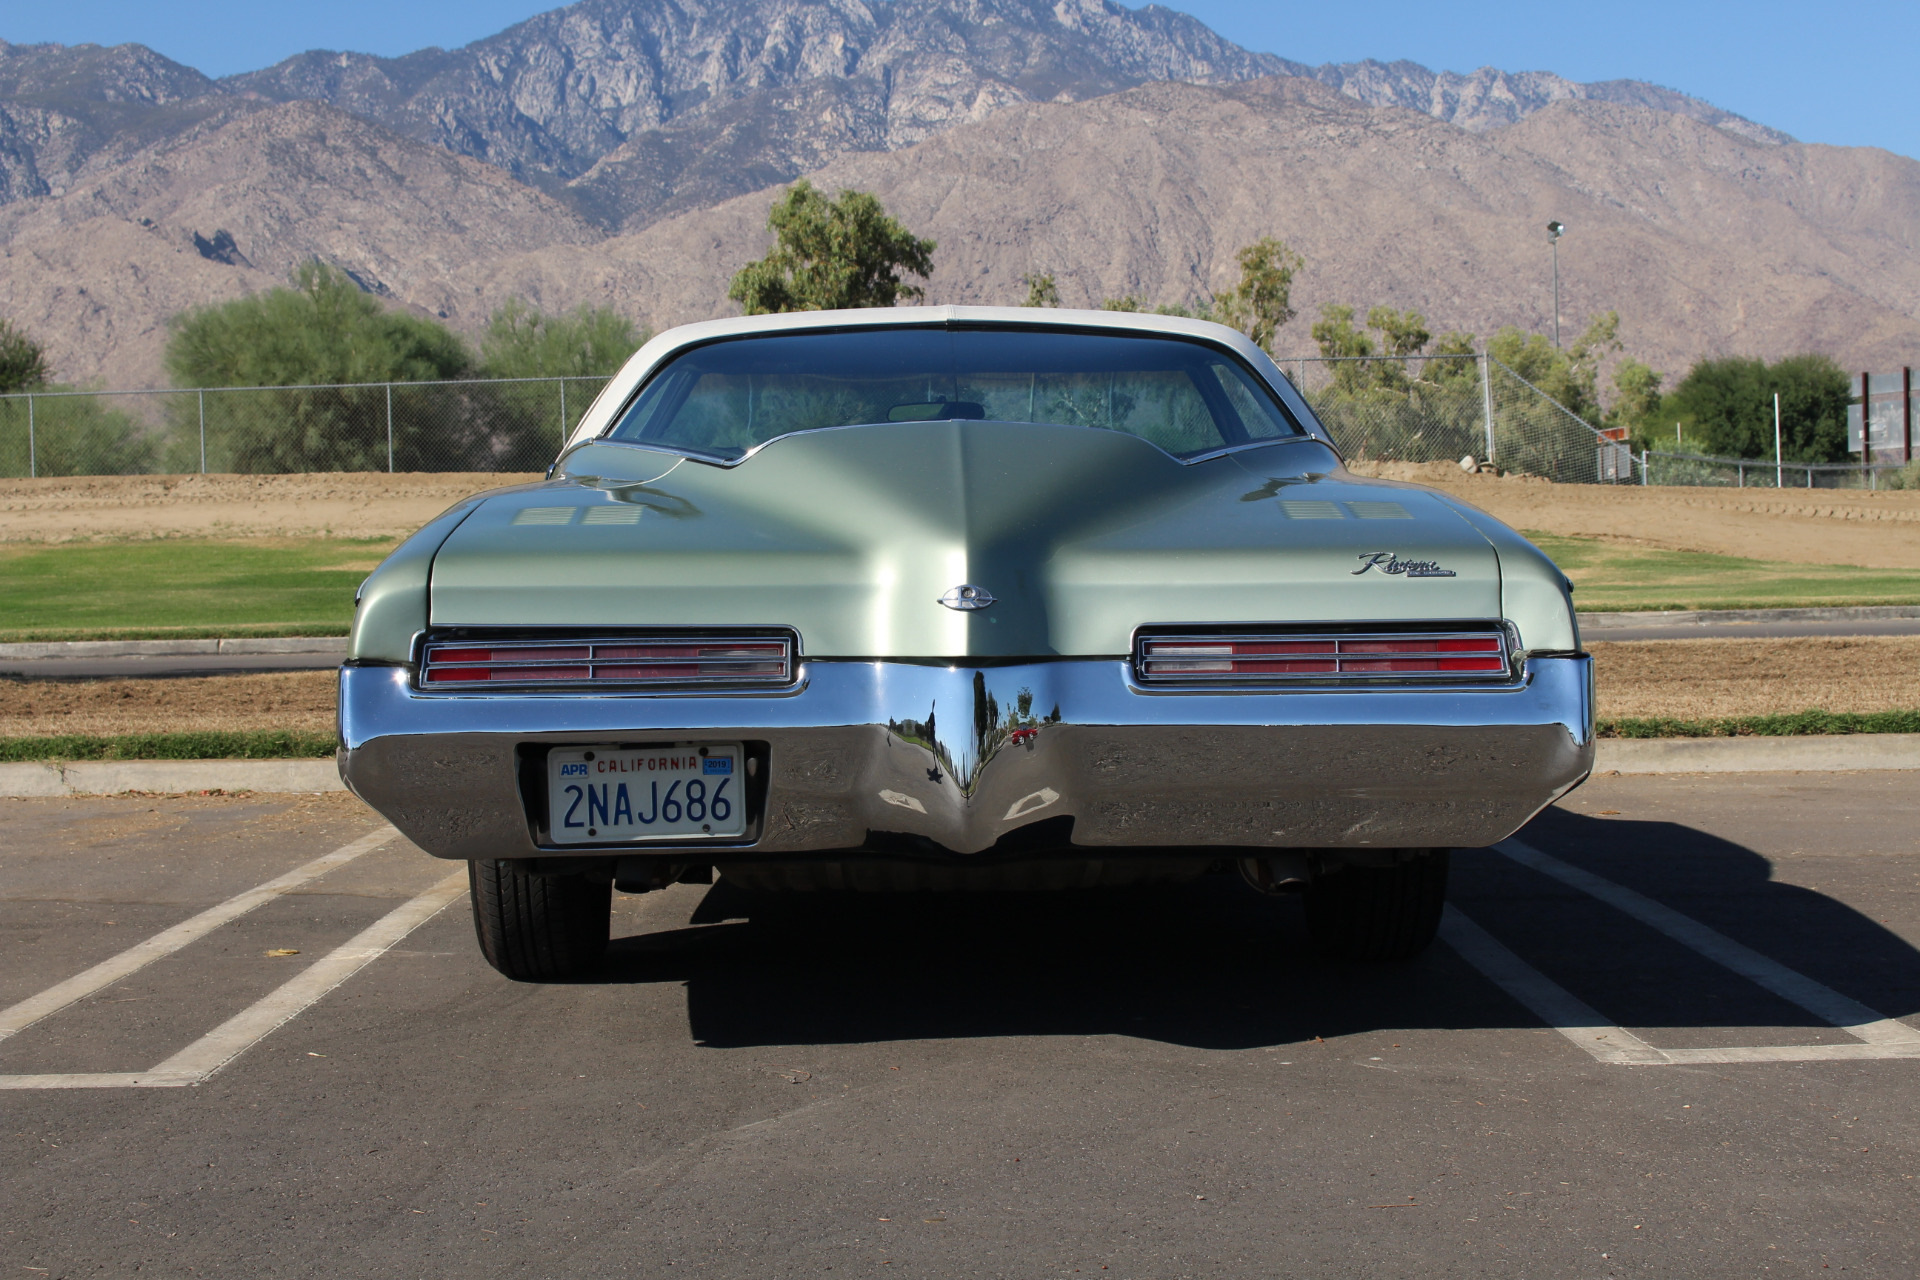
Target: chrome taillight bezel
[1325,654]
[478,662]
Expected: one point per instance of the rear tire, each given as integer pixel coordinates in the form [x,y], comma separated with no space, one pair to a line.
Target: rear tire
[1378,913]
[538,928]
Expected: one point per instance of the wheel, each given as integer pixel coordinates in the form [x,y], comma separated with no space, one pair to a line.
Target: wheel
[1378,913]
[538,928]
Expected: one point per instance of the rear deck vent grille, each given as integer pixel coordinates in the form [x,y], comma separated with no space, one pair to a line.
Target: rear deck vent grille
[745,661]
[1281,658]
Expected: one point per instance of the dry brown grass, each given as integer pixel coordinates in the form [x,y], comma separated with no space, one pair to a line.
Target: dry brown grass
[264,700]
[1703,679]
[1680,679]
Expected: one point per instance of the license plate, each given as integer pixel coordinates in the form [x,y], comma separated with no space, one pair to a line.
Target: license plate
[619,794]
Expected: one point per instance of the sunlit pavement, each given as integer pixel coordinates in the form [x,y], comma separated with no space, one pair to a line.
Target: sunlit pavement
[1669,1031]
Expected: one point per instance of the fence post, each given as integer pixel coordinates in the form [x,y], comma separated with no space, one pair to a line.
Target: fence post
[1486,398]
[203,431]
[389,428]
[563,412]
[1645,479]
[33,460]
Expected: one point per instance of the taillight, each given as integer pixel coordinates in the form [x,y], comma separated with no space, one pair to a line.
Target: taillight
[677,660]
[1262,658]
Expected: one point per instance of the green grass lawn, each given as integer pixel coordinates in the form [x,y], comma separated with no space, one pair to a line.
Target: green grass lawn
[1610,576]
[184,587]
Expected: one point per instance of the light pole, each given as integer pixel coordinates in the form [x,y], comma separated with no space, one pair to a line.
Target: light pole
[1554,231]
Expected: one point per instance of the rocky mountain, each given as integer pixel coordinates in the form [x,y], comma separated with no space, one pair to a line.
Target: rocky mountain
[1489,99]
[632,110]
[62,109]
[1703,239]
[232,206]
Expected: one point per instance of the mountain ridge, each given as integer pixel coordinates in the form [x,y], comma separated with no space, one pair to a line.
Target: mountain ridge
[1704,241]
[625,107]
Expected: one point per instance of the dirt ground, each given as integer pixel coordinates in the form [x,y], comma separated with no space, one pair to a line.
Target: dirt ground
[338,505]
[264,700]
[1874,530]
[1702,679]
[1817,526]
[1685,679]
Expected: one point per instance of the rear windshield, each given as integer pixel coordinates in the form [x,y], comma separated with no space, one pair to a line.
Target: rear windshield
[726,397]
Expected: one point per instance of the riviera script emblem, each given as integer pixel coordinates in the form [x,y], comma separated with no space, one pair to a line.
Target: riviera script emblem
[967,598]
[1388,562]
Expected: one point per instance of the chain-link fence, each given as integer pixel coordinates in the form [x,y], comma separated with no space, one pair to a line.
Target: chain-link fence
[1445,408]
[1416,409]
[1754,473]
[473,425]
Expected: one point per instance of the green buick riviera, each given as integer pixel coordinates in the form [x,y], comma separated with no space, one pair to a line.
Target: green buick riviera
[952,598]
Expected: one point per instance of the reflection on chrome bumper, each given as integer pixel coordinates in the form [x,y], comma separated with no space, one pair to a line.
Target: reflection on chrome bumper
[964,755]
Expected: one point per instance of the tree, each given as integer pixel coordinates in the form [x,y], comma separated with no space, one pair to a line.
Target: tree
[1402,333]
[324,329]
[521,342]
[1041,290]
[1336,337]
[1461,368]
[321,332]
[22,363]
[1724,407]
[830,254]
[1570,376]
[1262,301]
[1636,397]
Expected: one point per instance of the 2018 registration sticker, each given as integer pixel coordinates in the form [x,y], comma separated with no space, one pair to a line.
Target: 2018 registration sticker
[612,794]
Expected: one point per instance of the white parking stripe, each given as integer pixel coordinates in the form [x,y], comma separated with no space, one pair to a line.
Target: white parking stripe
[247,1028]
[1821,1001]
[57,997]
[1542,996]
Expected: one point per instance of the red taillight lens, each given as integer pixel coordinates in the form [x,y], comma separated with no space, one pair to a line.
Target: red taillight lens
[625,661]
[1255,658]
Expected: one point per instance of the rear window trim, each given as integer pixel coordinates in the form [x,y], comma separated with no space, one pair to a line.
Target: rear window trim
[1301,430]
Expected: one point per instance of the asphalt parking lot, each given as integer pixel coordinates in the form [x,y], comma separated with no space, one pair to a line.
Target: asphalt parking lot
[1669,1032]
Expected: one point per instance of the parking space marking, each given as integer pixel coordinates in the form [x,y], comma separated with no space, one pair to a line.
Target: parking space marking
[1821,1001]
[236,1035]
[1552,1003]
[1877,1036]
[19,1017]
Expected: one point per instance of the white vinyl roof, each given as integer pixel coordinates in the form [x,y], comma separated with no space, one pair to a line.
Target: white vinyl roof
[620,389]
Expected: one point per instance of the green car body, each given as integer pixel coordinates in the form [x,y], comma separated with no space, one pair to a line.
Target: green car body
[846,539]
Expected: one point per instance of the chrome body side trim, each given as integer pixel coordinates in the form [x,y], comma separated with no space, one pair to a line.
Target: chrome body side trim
[964,755]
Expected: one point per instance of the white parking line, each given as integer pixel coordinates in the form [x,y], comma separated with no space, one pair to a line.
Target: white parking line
[1821,1001]
[1878,1036]
[247,1028]
[19,1017]
[1552,1003]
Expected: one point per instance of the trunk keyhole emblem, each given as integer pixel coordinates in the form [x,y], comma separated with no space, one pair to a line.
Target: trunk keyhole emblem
[967,598]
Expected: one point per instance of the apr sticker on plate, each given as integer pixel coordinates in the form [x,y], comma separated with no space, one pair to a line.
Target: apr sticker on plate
[599,795]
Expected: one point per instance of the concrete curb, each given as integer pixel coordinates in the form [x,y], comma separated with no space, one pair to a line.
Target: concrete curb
[171,648]
[1811,754]
[1814,753]
[1722,617]
[111,777]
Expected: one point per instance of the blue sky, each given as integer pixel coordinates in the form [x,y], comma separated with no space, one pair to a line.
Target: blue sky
[1824,73]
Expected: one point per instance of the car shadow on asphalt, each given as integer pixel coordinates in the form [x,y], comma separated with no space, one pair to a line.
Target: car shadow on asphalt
[1213,964]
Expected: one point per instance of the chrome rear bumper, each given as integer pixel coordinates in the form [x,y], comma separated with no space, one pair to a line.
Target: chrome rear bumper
[963,756]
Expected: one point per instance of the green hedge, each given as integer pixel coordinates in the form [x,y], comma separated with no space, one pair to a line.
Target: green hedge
[265,744]
[1781,726]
